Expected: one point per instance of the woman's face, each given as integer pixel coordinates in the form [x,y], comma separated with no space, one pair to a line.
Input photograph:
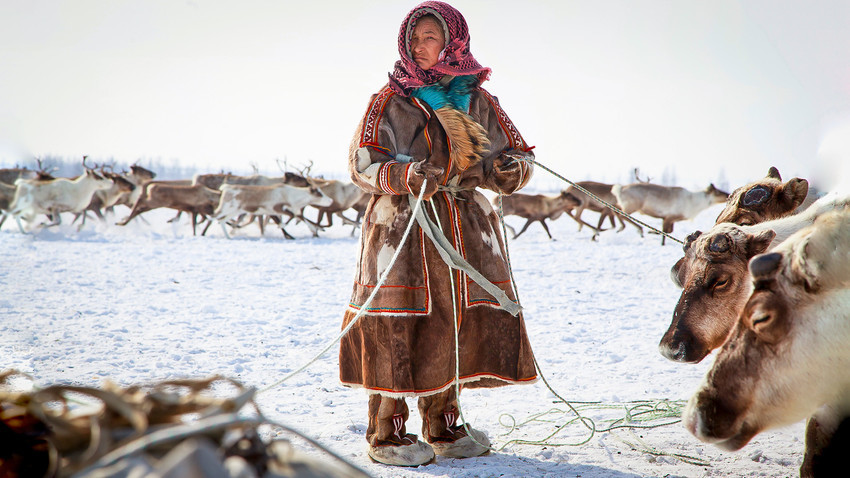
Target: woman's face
[426,43]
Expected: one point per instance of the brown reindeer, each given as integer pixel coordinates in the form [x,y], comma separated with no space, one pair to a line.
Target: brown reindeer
[197,200]
[8,176]
[668,203]
[602,191]
[787,358]
[763,200]
[536,208]
[715,282]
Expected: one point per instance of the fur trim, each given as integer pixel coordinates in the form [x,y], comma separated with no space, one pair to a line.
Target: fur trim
[467,138]
[463,381]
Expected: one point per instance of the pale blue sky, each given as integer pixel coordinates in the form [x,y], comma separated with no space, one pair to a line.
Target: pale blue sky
[696,90]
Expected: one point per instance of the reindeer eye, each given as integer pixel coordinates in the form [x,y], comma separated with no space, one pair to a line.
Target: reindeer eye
[717,283]
[761,319]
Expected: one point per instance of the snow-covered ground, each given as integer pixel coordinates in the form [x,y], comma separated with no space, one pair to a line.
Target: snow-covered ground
[147,302]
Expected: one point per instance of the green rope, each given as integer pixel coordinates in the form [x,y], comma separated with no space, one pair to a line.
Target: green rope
[642,414]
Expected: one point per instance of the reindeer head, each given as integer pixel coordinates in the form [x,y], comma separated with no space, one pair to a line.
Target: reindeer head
[717,196]
[141,174]
[763,200]
[715,284]
[787,355]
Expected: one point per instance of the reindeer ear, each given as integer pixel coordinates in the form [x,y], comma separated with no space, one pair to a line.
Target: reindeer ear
[765,266]
[690,239]
[758,243]
[676,273]
[795,191]
[774,173]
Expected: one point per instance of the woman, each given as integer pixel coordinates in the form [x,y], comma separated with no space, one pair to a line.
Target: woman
[432,125]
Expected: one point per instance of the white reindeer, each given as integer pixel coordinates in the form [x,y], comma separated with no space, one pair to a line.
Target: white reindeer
[273,201]
[55,196]
[669,203]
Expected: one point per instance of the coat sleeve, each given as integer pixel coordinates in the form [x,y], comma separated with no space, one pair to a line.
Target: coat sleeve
[374,161]
[512,166]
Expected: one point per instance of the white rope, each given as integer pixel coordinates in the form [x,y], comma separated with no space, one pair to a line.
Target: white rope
[365,306]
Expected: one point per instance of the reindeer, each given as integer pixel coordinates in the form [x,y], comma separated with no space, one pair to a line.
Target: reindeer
[198,200]
[7,194]
[8,176]
[669,203]
[53,197]
[603,192]
[344,195]
[715,282]
[536,208]
[107,198]
[765,199]
[267,200]
[787,358]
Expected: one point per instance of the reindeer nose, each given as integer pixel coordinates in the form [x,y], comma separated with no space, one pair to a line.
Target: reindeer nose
[676,351]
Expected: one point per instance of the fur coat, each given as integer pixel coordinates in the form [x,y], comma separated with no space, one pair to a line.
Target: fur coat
[404,345]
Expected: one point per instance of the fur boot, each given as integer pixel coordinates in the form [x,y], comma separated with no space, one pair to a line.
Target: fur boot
[464,447]
[415,454]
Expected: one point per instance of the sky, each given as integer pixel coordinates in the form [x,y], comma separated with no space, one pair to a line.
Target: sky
[689,92]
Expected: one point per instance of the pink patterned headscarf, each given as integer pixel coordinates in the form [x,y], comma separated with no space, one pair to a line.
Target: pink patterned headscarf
[455,59]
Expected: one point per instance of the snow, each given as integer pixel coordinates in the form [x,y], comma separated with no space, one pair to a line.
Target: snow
[148,302]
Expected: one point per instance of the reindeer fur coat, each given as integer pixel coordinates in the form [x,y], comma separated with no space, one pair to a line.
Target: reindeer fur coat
[404,345]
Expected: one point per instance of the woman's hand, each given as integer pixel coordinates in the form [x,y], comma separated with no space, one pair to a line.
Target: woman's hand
[506,162]
[418,173]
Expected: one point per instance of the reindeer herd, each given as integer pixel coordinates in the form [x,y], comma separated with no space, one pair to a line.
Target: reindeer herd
[668,203]
[231,200]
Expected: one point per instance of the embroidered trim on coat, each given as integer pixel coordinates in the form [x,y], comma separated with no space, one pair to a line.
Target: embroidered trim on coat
[508,127]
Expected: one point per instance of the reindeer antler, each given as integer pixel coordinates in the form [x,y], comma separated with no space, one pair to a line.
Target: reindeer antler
[638,179]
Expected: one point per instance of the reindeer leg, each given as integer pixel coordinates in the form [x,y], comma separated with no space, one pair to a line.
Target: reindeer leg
[667,226]
[580,221]
[82,223]
[528,223]
[285,234]
[313,227]
[543,223]
[827,436]
[20,226]
[578,217]
[222,221]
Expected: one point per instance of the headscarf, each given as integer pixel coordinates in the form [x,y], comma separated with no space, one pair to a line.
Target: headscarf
[455,59]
